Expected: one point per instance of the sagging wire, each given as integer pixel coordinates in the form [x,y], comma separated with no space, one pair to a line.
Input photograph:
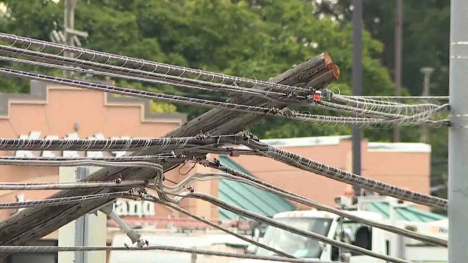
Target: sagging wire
[85,161]
[253,181]
[66,186]
[401,97]
[151,66]
[231,174]
[52,249]
[294,230]
[346,177]
[284,113]
[59,201]
[17,160]
[306,164]
[358,111]
[94,68]
[367,104]
[194,216]
[163,144]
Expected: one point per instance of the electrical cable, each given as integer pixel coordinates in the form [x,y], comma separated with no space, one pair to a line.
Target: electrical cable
[346,177]
[94,68]
[401,97]
[277,224]
[284,113]
[142,158]
[46,161]
[52,249]
[258,244]
[65,186]
[65,200]
[356,102]
[168,144]
[149,65]
[311,203]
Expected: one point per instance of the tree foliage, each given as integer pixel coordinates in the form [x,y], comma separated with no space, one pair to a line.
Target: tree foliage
[257,39]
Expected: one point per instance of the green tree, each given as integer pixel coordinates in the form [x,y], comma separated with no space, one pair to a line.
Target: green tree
[426,31]
[234,37]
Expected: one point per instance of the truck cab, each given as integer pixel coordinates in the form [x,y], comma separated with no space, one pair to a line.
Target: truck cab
[355,233]
[326,224]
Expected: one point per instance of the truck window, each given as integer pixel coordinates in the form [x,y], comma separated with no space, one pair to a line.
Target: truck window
[293,244]
[355,234]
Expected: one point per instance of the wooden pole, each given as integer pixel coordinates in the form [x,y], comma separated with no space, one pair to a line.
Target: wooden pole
[34,223]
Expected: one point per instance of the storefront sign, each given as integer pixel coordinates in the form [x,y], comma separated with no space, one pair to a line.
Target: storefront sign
[134,208]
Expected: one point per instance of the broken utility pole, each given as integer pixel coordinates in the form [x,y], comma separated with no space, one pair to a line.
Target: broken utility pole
[34,223]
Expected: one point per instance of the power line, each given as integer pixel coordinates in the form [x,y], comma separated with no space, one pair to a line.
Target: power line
[152,66]
[284,113]
[284,156]
[108,144]
[180,209]
[59,201]
[79,185]
[278,224]
[305,201]
[88,67]
[404,97]
[347,177]
[46,161]
[51,249]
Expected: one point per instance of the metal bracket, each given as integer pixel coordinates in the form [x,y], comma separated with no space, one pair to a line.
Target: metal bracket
[108,209]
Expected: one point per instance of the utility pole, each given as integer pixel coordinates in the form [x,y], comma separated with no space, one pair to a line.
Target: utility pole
[427,71]
[357,85]
[69,29]
[33,223]
[69,22]
[398,56]
[458,134]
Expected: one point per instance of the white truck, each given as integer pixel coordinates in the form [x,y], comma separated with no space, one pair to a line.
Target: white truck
[355,233]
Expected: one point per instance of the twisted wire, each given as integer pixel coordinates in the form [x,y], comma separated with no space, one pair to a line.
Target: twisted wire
[284,113]
[149,66]
[109,144]
[277,224]
[63,161]
[13,160]
[381,106]
[347,177]
[311,203]
[402,97]
[137,93]
[65,186]
[180,209]
[407,120]
[65,200]
[240,177]
[50,249]
[95,68]
[358,111]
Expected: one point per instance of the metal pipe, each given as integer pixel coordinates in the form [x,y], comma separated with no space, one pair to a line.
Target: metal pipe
[398,56]
[458,135]
[357,86]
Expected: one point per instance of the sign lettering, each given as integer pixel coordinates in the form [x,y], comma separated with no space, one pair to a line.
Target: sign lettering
[134,208]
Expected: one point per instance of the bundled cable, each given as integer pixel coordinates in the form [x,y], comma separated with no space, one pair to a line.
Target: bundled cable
[253,181]
[65,200]
[148,66]
[51,249]
[294,230]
